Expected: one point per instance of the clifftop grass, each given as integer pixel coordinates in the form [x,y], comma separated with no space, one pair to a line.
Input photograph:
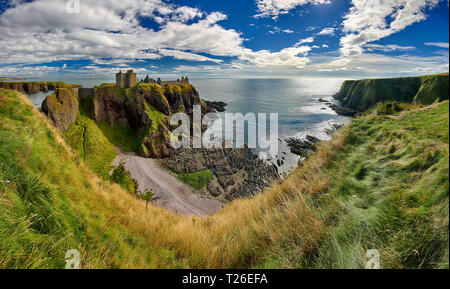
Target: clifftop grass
[366,93]
[380,183]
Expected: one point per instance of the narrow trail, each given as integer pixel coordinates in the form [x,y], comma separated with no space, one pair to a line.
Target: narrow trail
[170,193]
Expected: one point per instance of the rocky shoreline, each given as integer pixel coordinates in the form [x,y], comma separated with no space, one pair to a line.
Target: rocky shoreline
[339,109]
[237,173]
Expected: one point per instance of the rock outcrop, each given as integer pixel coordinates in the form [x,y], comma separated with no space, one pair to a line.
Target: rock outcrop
[61,107]
[237,172]
[359,95]
[146,109]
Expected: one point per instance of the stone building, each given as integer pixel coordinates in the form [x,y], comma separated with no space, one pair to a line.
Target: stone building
[126,80]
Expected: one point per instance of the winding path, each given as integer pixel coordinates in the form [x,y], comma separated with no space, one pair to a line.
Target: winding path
[170,193]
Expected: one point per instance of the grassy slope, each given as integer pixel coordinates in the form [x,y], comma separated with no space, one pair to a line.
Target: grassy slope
[51,202]
[380,183]
[366,93]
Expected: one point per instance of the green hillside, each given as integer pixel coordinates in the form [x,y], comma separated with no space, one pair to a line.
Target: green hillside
[381,183]
[366,93]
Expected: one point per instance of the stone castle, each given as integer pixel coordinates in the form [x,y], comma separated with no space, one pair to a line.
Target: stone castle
[126,80]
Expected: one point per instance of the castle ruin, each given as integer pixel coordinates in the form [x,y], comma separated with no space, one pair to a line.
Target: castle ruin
[126,80]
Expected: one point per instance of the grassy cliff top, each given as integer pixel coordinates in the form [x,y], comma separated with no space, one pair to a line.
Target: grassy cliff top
[366,93]
[381,183]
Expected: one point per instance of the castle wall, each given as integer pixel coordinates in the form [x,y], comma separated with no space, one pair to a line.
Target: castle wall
[85,92]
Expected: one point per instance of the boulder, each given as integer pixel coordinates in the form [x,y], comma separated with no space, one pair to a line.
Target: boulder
[61,107]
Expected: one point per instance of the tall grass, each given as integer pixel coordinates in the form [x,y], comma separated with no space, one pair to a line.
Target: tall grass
[355,193]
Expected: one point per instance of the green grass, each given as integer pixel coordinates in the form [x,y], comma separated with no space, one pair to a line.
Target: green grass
[85,137]
[50,202]
[120,136]
[389,191]
[197,180]
[381,183]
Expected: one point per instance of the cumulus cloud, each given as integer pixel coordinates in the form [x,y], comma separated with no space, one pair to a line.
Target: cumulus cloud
[305,40]
[42,31]
[371,20]
[326,31]
[273,8]
[437,44]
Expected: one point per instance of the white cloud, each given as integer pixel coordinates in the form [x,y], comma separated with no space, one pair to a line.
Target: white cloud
[324,46]
[437,44]
[42,31]
[370,20]
[287,57]
[177,54]
[388,48]
[273,8]
[277,30]
[305,40]
[327,31]
[377,64]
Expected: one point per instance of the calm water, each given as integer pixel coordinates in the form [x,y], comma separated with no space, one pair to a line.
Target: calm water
[295,100]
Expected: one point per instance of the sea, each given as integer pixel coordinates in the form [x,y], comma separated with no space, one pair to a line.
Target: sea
[295,100]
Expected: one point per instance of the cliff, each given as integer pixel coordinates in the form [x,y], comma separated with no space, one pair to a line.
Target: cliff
[61,107]
[34,86]
[146,108]
[360,95]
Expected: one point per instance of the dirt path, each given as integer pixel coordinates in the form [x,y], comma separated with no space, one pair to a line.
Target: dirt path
[170,193]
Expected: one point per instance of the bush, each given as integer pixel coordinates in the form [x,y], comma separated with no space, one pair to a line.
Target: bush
[123,178]
[388,108]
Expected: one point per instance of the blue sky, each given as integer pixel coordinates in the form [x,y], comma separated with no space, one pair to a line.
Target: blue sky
[235,38]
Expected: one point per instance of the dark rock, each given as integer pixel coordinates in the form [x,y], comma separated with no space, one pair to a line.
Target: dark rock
[216,105]
[301,147]
[236,172]
[343,110]
[312,139]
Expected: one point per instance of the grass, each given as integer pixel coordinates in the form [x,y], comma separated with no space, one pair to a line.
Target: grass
[197,180]
[85,138]
[380,183]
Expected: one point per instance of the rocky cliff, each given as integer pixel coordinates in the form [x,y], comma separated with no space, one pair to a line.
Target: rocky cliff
[360,95]
[146,109]
[33,86]
[61,107]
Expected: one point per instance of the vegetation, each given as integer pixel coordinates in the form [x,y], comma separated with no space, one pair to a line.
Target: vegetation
[147,197]
[197,180]
[381,183]
[85,138]
[123,178]
[363,94]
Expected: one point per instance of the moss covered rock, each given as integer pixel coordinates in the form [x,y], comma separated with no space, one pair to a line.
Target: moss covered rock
[61,107]
[34,86]
[366,93]
[146,108]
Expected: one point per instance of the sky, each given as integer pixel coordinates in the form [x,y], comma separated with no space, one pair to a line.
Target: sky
[224,39]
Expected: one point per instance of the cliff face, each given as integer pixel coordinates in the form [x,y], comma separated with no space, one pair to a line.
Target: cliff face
[363,94]
[61,107]
[146,109]
[33,87]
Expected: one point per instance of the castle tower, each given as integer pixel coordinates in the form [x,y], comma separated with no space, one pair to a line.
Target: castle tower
[126,80]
